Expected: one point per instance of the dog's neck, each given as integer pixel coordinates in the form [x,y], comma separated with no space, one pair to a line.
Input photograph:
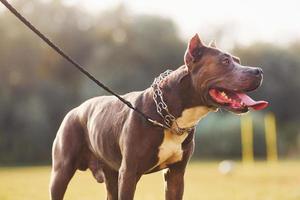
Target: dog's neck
[182,100]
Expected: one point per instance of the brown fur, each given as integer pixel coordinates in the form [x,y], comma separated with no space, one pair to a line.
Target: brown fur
[118,146]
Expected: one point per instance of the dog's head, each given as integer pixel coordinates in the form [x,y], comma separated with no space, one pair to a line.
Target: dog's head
[219,78]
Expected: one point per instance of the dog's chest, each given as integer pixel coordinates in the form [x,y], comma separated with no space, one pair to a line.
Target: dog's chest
[170,150]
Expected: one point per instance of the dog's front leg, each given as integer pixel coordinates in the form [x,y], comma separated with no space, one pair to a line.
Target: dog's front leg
[128,178]
[174,185]
[174,176]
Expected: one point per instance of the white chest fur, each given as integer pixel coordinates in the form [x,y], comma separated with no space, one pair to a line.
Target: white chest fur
[170,150]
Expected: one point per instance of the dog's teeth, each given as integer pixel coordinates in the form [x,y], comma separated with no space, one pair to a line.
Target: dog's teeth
[224,95]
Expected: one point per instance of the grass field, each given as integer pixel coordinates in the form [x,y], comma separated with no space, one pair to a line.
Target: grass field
[203,181]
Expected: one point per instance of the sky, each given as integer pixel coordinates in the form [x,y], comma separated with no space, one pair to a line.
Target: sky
[244,21]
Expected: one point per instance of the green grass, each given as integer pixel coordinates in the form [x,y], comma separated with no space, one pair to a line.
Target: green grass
[203,181]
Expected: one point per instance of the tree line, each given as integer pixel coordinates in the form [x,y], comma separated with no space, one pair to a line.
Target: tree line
[126,52]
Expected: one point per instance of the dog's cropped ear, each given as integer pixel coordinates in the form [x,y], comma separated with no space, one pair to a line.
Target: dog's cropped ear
[236,59]
[194,51]
[213,44]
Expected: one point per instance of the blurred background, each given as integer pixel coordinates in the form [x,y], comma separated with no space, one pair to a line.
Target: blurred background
[125,44]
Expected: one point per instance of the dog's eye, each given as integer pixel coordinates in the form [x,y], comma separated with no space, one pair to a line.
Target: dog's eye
[226,61]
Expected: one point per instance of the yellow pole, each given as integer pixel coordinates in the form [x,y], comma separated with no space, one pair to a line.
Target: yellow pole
[271,138]
[247,139]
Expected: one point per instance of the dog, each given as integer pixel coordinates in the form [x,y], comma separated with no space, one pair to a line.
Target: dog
[119,146]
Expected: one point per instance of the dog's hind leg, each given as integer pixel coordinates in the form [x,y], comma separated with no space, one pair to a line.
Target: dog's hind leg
[66,152]
[111,182]
[60,177]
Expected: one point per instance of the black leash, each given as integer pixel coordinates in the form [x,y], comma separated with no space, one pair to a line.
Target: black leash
[77,65]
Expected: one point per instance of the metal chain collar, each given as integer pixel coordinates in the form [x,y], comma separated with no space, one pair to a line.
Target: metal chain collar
[161,106]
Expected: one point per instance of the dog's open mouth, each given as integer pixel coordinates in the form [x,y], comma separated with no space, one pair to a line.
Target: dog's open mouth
[236,100]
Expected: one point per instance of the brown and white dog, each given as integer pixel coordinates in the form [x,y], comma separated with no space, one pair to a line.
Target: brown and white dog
[119,146]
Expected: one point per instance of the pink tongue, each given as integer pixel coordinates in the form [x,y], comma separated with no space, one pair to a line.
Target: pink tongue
[256,105]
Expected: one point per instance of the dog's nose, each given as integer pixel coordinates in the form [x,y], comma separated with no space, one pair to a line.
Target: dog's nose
[257,71]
